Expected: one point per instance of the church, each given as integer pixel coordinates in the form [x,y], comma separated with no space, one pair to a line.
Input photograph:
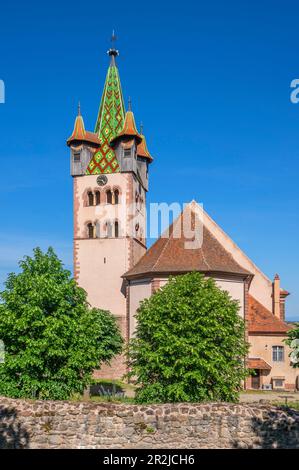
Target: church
[110,170]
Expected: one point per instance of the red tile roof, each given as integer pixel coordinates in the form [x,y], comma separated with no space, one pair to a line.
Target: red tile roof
[257,363]
[142,150]
[129,129]
[261,320]
[80,134]
[170,254]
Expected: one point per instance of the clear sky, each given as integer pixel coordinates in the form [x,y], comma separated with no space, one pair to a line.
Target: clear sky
[209,80]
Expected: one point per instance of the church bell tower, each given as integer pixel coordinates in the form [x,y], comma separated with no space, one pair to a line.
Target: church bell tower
[110,180]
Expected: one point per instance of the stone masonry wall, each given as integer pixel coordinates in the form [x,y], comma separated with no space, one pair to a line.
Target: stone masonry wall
[49,424]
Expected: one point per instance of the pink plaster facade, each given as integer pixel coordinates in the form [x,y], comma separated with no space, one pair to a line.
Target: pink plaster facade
[100,262]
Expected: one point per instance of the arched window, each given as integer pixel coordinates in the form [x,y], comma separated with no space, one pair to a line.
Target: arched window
[98,233]
[116,196]
[90,198]
[98,198]
[109,229]
[109,196]
[90,230]
[116,229]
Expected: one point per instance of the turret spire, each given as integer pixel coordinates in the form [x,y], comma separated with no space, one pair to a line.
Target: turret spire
[80,134]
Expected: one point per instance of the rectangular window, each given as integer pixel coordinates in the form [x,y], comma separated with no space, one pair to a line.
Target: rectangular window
[76,156]
[127,152]
[277,353]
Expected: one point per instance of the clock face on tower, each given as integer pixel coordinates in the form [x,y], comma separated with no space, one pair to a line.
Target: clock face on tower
[102,180]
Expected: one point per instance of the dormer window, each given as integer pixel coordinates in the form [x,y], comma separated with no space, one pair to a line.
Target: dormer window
[77,157]
[127,152]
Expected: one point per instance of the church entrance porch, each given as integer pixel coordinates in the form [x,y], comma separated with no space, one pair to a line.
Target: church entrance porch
[259,368]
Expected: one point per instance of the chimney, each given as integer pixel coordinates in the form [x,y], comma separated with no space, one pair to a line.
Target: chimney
[276,296]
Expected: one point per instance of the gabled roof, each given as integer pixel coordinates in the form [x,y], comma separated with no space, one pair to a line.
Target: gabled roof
[261,320]
[257,363]
[171,254]
[110,121]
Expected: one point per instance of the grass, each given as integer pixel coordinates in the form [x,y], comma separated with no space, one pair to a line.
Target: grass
[292,404]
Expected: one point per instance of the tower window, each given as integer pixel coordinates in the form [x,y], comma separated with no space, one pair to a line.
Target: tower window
[90,230]
[116,229]
[98,198]
[127,152]
[116,196]
[77,157]
[90,198]
[109,197]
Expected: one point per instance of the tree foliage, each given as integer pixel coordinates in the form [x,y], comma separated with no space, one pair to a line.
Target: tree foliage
[293,342]
[189,343]
[53,339]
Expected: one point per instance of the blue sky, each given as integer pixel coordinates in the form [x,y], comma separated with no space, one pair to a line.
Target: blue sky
[209,80]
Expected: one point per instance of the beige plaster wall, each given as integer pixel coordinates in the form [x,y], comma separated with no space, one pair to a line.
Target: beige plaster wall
[139,290]
[235,289]
[261,346]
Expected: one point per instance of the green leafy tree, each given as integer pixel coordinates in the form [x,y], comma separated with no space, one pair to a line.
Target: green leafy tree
[189,343]
[53,339]
[293,342]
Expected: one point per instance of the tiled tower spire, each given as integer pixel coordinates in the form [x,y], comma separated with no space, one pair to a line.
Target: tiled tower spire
[110,120]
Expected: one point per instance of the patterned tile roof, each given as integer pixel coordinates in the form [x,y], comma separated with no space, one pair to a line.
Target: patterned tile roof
[171,254]
[109,123]
[261,320]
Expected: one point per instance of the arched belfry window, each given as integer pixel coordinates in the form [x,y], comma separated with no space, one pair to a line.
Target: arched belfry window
[98,198]
[116,196]
[90,198]
[90,230]
[109,196]
[116,229]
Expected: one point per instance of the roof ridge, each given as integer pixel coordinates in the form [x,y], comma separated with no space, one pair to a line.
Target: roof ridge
[190,207]
[236,246]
